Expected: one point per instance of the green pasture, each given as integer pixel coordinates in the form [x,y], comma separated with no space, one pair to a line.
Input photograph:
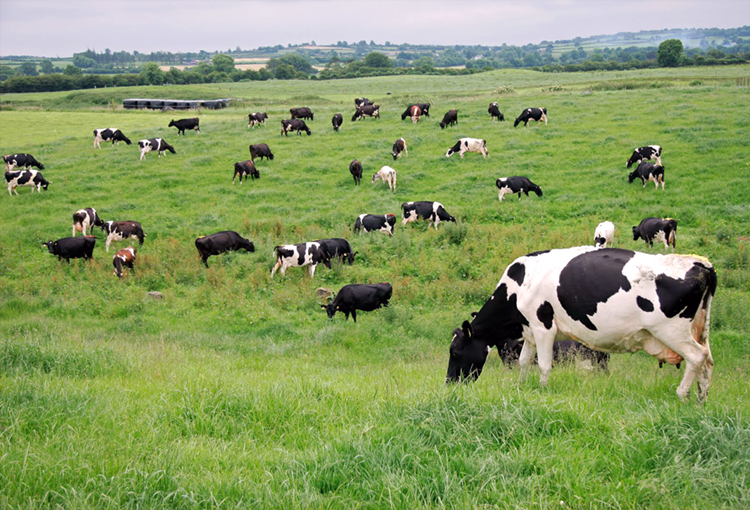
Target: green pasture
[234,390]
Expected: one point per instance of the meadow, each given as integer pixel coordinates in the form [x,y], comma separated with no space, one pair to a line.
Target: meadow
[236,390]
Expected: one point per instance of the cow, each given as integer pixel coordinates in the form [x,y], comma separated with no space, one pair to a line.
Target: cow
[361,101]
[109,134]
[416,113]
[120,230]
[184,124]
[355,168]
[337,120]
[387,174]
[648,172]
[609,299]
[370,110]
[450,118]
[365,297]
[218,243]
[399,146]
[254,119]
[83,219]
[25,161]
[433,212]
[299,255]
[375,222]
[72,248]
[245,168]
[301,113]
[260,150]
[155,144]
[294,125]
[644,153]
[563,351]
[604,234]
[468,145]
[516,184]
[33,178]
[124,257]
[535,114]
[337,248]
[495,112]
[650,229]
[424,107]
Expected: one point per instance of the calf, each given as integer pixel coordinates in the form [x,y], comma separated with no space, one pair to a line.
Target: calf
[495,112]
[604,234]
[650,229]
[562,351]
[337,120]
[109,134]
[301,113]
[337,248]
[433,212]
[25,161]
[648,172]
[124,257]
[372,222]
[254,119]
[399,146]
[644,153]
[260,150]
[359,297]
[245,168]
[299,255]
[155,144]
[450,118]
[387,174]
[535,114]
[220,242]
[370,110]
[355,168]
[31,178]
[468,145]
[416,112]
[362,101]
[184,124]
[120,230]
[72,247]
[83,219]
[294,125]
[424,107]
[516,184]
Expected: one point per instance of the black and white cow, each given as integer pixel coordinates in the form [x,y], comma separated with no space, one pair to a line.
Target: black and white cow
[109,134]
[399,146]
[650,229]
[609,299]
[121,230]
[355,168]
[495,113]
[254,119]
[375,222]
[365,297]
[337,120]
[294,125]
[370,110]
[25,161]
[184,124]
[433,212]
[218,243]
[123,258]
[31,178]
[301,113]
[468,145]
[604,234]
[83,219]
[260,150]
[450,118]
[361,101]
[386,174]
[337,248]
[648,172]
[245,168]
[299,255]
[155,144]
[423,107]
[644,153]
[535,114]
[516,184]
[72,247]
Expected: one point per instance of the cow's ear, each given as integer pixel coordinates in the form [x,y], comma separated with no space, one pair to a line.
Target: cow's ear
[323,307]
[467,329]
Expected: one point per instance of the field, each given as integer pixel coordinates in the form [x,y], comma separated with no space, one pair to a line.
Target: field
[236,390]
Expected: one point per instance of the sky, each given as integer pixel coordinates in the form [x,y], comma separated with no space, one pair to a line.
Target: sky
[59,28]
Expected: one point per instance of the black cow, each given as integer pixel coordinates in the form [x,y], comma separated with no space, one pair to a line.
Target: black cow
[220,242]
[124,257]
[184,124]
[21,161]
[72,247]
[433,212]
[337,248]
[355,168]
[254,119]
[294,125]
[656,228]
[245,168]
[645,153]
[535,114]
[399,146]
[120,230]
[301,113]
[85,218]
[495,112]
[648,172]
[424,107]
[337,120]
[33,178]
[450,118]
[365,297]
[362,101]
[260,150]
[516,184]
[155,144]
[109,134]
[371,222]
[370,110]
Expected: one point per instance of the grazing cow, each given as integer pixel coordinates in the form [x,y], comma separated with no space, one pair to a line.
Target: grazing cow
[563,351]
[495,112]
[450,118]
[107,134]
[362,101]
[370,110]
[604,234]
[301,113]
[609,299]
[535,114]
[416,112]
[644,153]
[372,222]
[85,218]
[433,212]
[72,248]
[220,242]
[359,297]
[337,120]
[299,255]
[260,150]
[31,178]
[254,119]
[124,257]
[120,230]
[294,125]
[650,229]
[337,248]
[424,107]
[516,184]
[155,144]
[387,174]
[648,172]
[468,145]
[355,168]
[25,161]
[399,146]
[184,124]
[245,168]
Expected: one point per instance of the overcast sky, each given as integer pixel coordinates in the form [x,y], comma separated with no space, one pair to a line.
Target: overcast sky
[62,27]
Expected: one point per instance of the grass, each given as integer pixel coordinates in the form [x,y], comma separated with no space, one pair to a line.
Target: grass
[235,390]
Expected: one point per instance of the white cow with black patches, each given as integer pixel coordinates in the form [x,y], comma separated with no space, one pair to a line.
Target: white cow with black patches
[604,234]
[468,145]
[433,212]
[299,255]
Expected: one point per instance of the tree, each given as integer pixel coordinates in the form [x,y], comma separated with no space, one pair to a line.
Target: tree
[71,70]
[375,59]
[27,69]
[46,66]
[223,64]
[6,72]
[84,62]
[151,74]
[284,72]
[669,53]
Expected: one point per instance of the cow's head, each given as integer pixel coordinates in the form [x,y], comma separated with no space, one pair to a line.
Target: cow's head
[636,233]
[51,246]
[467,355]
[171,123]
[330,310]
[357,115]
[376,177]
[501,117]
[444,216]
[632,176]
[519,120]
[350,257]
[453,149]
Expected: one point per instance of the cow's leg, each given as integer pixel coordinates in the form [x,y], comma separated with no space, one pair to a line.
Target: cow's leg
[525,359]
[109,241]
[312,269]
[278,265]
[354,315]
[698,359]
[545,340]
